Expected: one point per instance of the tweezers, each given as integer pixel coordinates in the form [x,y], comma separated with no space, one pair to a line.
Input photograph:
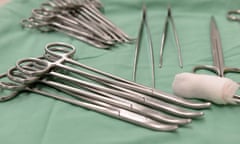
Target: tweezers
[164,35]
[139,39]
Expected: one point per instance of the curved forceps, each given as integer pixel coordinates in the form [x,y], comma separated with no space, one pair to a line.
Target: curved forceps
[14,75]
[46,66]
[91,104]
[218,66]
[66,57]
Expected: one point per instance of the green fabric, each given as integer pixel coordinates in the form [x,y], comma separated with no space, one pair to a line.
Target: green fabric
[34,119]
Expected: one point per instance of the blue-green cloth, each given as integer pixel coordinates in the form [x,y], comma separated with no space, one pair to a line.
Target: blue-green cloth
[33,119]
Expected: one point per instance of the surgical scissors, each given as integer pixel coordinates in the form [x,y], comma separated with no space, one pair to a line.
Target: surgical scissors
[164,35]
[218,66]
[144,22]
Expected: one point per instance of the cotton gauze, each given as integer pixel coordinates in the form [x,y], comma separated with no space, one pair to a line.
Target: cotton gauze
[213,88]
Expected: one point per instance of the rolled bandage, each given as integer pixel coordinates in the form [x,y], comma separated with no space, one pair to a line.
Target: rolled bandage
[213,88]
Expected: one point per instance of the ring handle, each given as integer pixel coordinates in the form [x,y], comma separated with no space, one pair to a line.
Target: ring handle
[13,88]
[17,76]
[39,67]
[43,15]
[31,22]
[48,6]
[207,67]
[60,49]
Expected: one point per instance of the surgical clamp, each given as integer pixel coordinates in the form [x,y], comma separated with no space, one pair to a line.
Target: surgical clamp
[56,54]
[94,105]
[140,98]
[106,97]
[81,20]
[68,51]
[45,70]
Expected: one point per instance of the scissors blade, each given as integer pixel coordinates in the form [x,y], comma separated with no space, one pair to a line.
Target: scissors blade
[217,53]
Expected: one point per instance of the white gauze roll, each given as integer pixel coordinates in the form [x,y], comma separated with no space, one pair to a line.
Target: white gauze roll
[213,88]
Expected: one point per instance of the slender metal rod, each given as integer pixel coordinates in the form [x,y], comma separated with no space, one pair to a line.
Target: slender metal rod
[144,22]
[138,44]
[164,36]
[176,38]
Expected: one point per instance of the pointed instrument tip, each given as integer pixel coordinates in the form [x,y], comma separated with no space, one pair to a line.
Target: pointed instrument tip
[213,20]
[144,10]
[213,24]
[169,10]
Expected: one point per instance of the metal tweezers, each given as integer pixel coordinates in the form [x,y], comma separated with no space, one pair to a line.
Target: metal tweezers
[139,39]
[164,35]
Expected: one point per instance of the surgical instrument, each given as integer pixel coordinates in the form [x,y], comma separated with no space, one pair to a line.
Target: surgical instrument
[63,52]
[79,19]
[88,13]
[93,87]
[144,22]
[218,66]
[52,71]
[106,98]
[133,118]
[143,99]
[101,107]
[164,36]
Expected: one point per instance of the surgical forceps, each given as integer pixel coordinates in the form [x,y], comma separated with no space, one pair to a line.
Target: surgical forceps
[65,56]
[134,96]
[138,45]
[218,66]
[91,104]
[81,20]
[87,12]
[43,20]
[106,97]
[164,35]
[60,53]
